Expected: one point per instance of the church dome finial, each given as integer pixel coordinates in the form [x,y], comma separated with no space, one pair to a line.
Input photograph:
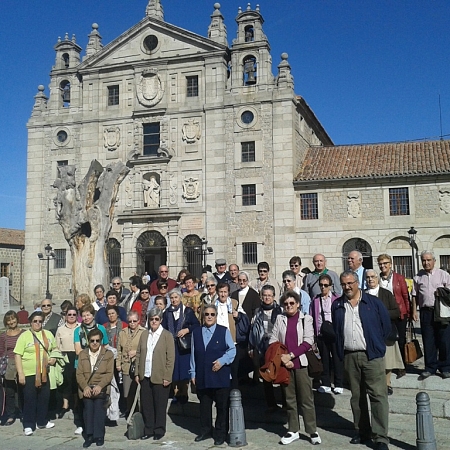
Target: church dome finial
[155,9]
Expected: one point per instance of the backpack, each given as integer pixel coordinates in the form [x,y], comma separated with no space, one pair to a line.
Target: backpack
[135,422]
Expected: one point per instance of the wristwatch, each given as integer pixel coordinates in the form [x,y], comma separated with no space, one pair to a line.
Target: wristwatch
[291,355]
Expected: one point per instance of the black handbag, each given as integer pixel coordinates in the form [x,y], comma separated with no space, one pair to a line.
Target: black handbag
[132,371]
[315,365]
[326,329]
[184,343]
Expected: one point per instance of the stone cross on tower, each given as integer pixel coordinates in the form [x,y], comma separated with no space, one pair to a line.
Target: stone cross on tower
[155,9]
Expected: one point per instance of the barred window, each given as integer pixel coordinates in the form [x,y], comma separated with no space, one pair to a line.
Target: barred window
[308,207]
[248,194]
[62,163]
[192,86]
[248,151]
[249,252]
[444,262]
[60,258]
[399,202]
[151,138]
[403,266]
[113,95]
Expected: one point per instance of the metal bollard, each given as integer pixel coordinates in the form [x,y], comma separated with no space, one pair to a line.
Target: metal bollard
[237,424]
[424,423]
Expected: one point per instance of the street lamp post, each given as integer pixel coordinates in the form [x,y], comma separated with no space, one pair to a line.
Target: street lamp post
[49,255]
[412,242]
[205,250]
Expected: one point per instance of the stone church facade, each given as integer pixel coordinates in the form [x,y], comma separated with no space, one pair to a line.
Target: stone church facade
[219,150]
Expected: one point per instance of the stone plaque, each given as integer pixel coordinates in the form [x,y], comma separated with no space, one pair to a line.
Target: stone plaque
[194,223]
[4,295]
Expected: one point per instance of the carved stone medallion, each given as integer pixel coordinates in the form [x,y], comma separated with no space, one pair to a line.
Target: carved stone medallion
[191,131]
[353,205]
[150,89]
[111,138]
[444,200]
[191,188]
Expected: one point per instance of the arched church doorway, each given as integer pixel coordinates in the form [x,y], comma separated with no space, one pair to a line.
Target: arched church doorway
[192,252]
[362,246]
[151,249]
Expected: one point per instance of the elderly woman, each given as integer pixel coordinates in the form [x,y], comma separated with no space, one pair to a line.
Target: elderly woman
[289,279]
[393,357]
[142,304]
[100,299]
[65,343]
[191,298]
[94,375]
[295,330]
[32,360]
[161,302]
[126,354]
[8,340]
[180,320]
[320,311]
[211,295]
[155,360]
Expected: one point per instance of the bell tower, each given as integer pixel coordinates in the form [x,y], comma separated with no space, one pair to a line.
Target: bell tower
[251,63]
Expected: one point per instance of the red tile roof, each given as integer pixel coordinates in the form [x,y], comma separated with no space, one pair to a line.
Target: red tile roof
[375,160]
[12,237]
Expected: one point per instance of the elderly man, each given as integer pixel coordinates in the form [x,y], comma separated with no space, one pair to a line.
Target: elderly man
[247,297]
[234,274]
[221,274]
[212,353]
[51,320]
[311,280]
[355,260]
[117,285]
[435,335]
[362,324]
[263,280]
[163,275]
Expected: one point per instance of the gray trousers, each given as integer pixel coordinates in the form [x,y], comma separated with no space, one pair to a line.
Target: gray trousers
[368,378]
[299,392]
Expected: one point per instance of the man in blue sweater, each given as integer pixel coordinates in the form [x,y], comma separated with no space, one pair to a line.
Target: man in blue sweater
[361,323]
[212,352]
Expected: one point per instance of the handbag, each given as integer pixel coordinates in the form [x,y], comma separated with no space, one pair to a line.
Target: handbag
[135,422]
[315,365]
[184,343]
[132,371]
[3,365]
[413,351]
[326,329]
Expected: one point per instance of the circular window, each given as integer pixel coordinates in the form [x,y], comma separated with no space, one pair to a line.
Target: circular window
[150,43]
[247,117]
[61,136]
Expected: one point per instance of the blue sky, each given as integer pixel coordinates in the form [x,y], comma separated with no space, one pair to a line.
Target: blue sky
[372,71]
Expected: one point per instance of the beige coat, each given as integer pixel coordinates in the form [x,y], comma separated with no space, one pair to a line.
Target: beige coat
[124,345]
[307,335]
[163,357]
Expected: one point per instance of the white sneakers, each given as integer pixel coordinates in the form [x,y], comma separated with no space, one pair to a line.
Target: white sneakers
[338,391]
[289,437]
[315,439]
[27,431]
[47,426]
[79,430]
[324,389]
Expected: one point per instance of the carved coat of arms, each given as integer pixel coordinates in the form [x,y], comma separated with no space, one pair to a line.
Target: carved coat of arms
[191,188]
[150,89]
[111,138]
[191,131]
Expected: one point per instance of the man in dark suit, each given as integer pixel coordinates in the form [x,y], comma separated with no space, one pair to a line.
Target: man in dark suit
[212,352]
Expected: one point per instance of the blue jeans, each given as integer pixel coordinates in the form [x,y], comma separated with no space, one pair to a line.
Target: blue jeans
[35,403]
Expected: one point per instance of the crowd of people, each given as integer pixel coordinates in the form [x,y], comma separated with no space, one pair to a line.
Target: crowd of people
[162,336]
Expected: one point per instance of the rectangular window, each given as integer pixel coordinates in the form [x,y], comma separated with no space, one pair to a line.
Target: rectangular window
[4,270]
[248,151]
[444,262]
[192,86]
[399,202]
[60,258]
[62,163]
[403,265]
[309,207]
[250,252]
[113,95]
[248,194]
[151,138]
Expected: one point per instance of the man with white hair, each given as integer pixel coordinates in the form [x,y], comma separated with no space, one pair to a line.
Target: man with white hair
[435,335]
[247,297]
[355,260]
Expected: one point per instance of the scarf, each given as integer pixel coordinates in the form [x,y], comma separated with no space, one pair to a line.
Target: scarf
[267,307]
[388,278]
[41,369]
[46,319]
[113,341]
[84,330]
[174,329]
[229,305]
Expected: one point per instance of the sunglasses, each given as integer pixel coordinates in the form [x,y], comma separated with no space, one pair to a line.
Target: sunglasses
[163,287]
[242,280]
[323,285]
[262,270]
[206,314]
[289,303]
[46,306]
[94,340]
[288,281]
[294,265]
[154,319]
[37,321]
[133,321]
[144,292]
[71,315]
[117,284]
[210,285]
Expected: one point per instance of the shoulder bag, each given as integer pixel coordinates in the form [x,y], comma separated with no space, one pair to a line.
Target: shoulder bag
[135,421]
[413,351]
[326,329]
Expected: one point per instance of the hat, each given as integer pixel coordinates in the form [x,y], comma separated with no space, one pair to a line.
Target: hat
[220,262]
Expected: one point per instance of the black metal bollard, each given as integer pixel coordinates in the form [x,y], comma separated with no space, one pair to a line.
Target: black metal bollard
[237,424]
[424,423]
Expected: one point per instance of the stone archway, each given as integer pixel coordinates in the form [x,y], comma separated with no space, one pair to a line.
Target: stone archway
[362,246]
[151,249]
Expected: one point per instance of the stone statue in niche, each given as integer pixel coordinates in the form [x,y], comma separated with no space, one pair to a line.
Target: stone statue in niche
[111,138]
[191,131]
[353,205]
[152,191]
[191,188]
[444,201]
[150,89]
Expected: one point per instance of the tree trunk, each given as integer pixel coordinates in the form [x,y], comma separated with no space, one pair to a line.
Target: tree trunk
[85,213]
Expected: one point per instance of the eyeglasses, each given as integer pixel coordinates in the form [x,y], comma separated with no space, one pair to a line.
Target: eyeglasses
[243,280]
[289,303]
[288,281]
[163,287]
[70,315]
[262,270]
[210,285]
[145,292]
[37,321]
[294,265]
[117,284]
[385,263]
[154,319]
[348,284]
[94,340]
[323,285]
[133,321]
[46,306]
[206,314]
[163,271]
